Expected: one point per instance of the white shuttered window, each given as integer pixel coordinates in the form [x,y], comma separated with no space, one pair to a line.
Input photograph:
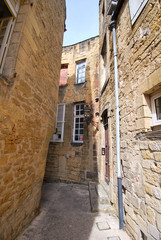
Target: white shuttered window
[58,137]
[136,7]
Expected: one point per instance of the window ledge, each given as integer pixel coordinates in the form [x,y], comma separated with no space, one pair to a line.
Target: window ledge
[55,142]
[77,84]
[154,134]
[76,144]
[63,86]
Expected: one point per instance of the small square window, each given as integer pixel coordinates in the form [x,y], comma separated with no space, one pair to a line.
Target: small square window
[156,108]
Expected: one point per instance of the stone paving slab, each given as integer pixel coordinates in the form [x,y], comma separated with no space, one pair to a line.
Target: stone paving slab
[66,215]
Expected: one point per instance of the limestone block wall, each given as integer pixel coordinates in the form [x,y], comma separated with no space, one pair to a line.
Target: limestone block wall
[68,160]
[28,110]
[139,48]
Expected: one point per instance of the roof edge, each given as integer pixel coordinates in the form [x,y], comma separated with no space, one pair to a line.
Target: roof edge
[80,41]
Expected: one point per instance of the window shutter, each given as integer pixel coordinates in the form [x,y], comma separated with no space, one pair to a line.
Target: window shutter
[136,7]
[58,137]
[63,76]
[60,113]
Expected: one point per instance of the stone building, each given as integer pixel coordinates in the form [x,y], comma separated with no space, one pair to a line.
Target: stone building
[30,61]
[138,43]
[73,148]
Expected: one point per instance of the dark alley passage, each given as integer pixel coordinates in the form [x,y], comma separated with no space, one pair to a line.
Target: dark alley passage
[66,215]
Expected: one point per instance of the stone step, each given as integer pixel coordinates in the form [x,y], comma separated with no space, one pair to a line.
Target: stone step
[105,186]
[99,199]
[102,195]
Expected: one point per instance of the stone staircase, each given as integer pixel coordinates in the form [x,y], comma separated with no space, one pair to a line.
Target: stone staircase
[99,197]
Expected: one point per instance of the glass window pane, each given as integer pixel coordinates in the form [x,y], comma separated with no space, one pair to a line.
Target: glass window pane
[81,131]
[81,137]
[76,137]
[158,108]
[82,112]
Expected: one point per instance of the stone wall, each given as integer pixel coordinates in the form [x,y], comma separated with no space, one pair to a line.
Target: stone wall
[68,160]
[139,72]
[28,110]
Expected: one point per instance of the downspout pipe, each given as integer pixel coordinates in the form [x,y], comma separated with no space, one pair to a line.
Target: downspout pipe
[114,11]
[112,27]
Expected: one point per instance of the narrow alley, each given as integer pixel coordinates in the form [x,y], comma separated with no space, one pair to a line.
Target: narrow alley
[66,215]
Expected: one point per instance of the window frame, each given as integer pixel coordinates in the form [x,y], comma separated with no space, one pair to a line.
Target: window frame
[77,64]
[75,117]
[104,64]
[6,41]
[55,137]
[155,121]
[134,13]
[13,9]
[8,31]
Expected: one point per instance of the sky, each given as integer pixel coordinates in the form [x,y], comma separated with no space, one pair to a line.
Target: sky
[82,20]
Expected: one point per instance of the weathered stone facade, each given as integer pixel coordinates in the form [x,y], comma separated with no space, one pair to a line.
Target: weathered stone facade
[28,99]
[70,160]
[139,70]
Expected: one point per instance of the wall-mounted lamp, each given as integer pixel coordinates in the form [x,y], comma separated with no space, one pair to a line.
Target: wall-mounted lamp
[87,114]
[65,28]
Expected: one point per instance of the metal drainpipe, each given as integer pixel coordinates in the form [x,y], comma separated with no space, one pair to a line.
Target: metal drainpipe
[112,27]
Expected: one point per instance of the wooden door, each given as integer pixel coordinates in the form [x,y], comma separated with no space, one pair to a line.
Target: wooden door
[107,164]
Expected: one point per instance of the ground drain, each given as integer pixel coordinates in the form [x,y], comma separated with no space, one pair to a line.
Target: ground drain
[113,238]
[103,226]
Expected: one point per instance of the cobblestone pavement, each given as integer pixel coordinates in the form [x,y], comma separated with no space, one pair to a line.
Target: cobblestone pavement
[66,215]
